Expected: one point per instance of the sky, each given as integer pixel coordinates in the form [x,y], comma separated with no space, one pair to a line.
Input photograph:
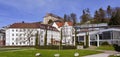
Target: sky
[12,11]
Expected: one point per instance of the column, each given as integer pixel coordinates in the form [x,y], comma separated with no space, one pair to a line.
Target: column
[89,39]
[98,40]
[84,40]
[74,40]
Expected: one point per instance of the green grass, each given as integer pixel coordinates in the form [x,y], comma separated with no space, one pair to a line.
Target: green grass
[8,49]
[45,53]
[106,47]
[113,56]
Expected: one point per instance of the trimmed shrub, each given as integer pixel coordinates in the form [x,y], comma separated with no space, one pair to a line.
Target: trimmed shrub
[116,47]
[57,47]
[81,43]
[69,47]
[105,43]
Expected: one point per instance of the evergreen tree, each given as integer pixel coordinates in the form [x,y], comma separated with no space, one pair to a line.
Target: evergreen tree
[109,12]
[85,16]
[96,17]
[76,39]
[115,19]
[73,18]
[61,39]
[87,40]
[65,17]
[36,41]
[102,15]
[45,39]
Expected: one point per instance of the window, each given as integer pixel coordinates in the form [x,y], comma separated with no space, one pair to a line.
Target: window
[12,34]
[12,43]
[41,40]
[24,38]
[16,34]
[23,42]
[16,30]
[13,30]
[31,38]
[20,43]
[20,30]
[16,43]
[12,38]
[31,42]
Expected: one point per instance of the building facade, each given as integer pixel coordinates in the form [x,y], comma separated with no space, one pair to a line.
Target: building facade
[24,34]
[67,31]
[50,18]
[98,33]
[2,39]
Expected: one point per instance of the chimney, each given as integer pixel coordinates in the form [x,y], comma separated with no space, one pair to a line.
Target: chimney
[23,22]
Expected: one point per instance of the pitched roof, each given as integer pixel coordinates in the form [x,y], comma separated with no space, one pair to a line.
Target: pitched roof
[53,15]
[32,25]
[60,24]
[70,23]
[24,25]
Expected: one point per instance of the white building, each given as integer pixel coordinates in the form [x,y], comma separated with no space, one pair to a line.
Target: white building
[67,31]
[24,34]
[98,33]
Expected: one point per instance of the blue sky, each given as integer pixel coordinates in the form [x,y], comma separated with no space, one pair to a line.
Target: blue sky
[12,11]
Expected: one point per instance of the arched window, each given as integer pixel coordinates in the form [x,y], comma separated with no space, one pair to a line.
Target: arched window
[50,21]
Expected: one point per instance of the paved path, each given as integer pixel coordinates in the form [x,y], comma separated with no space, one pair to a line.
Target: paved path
[105,53]
[98,55]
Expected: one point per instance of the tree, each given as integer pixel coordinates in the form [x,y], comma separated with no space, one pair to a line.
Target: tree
[109,12]
[73,18]
[115,19]
[60,39]
[45,39]
[76,39]
[66,18]
[85,16]
[96,17]
[36,41]
[26,36]
[87,40]
[102,15]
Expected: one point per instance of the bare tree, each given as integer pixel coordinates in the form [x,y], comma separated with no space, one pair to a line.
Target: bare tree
[27,36]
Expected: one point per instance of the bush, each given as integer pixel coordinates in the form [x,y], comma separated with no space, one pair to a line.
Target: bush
[49,47]
[68,47]
[81,43]
[116,47]
[105,43]
[57,47]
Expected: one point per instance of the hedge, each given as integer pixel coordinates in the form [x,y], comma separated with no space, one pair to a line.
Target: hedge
[57,47]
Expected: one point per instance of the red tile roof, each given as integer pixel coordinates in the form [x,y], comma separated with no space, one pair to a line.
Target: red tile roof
[60,24]
[32,25]
[24,25]
[70,23]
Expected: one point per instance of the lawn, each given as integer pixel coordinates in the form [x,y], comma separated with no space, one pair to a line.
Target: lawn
[106,47]
[45,53]
[8,49]
[114,56]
